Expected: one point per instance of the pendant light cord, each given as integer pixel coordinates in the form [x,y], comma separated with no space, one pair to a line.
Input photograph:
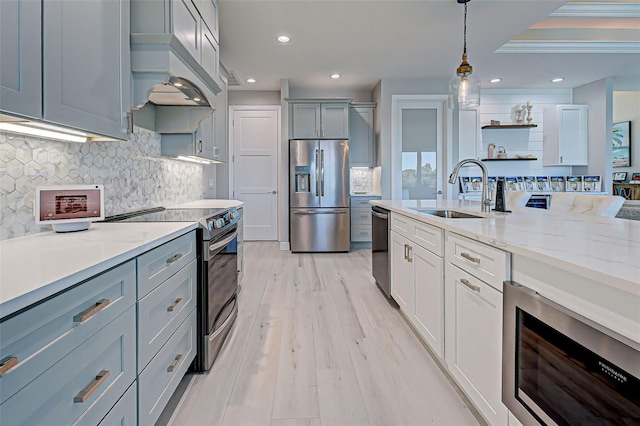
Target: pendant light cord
[465,27]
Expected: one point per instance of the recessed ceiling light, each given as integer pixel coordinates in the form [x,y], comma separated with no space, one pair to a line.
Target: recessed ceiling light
[495,80]
[284,39]
[334,76]
[251,80]
[557,80]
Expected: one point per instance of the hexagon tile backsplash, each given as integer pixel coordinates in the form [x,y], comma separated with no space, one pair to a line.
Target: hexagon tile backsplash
[132,172]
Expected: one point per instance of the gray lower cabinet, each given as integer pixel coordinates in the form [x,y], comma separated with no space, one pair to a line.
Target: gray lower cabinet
[60,57]
[84,385]
[160,378]
[125,412]
[361,218]
[39,337]
[75,358]
[166,323]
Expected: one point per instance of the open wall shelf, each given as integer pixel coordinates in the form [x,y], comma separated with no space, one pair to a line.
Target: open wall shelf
[510,126]
[509,159]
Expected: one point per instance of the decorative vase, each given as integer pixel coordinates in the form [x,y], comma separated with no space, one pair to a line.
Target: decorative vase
[519,114]
[529,117]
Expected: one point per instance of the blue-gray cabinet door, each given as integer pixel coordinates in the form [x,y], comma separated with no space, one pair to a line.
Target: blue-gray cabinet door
[20,67]
[87,65]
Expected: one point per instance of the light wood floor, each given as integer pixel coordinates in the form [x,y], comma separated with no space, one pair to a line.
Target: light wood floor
[317,343]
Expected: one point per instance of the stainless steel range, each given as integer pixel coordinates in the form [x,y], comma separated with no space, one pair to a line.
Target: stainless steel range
[217,272]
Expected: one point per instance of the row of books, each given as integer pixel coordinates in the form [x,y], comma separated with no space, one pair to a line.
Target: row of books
[578,183]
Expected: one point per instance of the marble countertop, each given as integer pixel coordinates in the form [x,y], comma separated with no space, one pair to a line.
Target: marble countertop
[37,266]
[208,204]
[599,248]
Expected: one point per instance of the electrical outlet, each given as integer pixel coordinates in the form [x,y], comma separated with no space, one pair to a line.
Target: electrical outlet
[211,183]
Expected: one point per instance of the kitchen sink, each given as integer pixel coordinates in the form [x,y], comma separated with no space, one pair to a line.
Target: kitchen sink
[449,214]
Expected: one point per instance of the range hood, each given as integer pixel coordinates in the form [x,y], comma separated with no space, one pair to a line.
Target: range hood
[168,80]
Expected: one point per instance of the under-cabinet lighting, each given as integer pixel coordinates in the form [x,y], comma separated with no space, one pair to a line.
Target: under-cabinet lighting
[557,80]
[44,131]
[197,160]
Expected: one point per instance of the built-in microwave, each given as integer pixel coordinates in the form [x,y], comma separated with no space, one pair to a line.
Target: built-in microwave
[562,368]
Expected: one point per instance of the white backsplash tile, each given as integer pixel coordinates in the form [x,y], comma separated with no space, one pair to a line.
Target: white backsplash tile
[361,179]
[132,172]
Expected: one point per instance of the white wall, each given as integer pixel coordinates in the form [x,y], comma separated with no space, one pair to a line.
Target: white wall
[356,95]
[253,97]
[598,96]
[626,107]
[500,104]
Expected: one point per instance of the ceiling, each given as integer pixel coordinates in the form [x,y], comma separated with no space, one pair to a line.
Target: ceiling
[524,42]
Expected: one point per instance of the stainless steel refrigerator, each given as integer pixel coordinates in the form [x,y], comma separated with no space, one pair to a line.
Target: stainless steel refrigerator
[319,195]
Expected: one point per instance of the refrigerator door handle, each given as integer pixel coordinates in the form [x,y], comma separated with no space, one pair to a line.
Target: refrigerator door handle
[310,212]
[322,168]
[317,173]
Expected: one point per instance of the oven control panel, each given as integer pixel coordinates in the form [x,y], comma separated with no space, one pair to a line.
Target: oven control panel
[223,220]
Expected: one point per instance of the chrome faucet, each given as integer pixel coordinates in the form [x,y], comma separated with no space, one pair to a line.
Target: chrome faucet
[486,193]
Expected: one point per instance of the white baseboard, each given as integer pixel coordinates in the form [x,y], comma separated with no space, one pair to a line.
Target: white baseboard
[284,246]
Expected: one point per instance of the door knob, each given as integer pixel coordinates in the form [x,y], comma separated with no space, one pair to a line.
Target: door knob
[439,192]
[272,192]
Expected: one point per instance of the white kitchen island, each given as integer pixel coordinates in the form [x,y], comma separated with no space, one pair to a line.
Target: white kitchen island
[447,275]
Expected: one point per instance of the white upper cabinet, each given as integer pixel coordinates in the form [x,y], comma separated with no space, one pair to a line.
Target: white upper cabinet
[362,136]
[67,63]
[209,11]
[565,136]
[221,124]
[21,64]
[320,120]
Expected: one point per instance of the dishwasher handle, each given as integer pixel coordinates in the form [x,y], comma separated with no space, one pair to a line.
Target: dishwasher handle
[380,215]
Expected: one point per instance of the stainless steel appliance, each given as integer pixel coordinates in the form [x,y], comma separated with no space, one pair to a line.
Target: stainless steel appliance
[217,305]
[380,249]
[319,195]
[561,368]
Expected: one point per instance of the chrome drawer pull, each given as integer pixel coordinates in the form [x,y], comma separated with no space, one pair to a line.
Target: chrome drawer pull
[85,393]
[7,364]
[175,305]
[471,286]
[91,311]
[364,233]
[171,368]
[174,259]
[471,258]
[409,258]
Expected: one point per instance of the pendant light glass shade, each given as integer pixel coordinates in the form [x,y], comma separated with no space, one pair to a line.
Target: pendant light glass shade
[464,87]
[464,92]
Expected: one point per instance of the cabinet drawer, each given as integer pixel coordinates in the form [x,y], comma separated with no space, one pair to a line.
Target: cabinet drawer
[361,216]
[155,266]
[163,310]
[125,412]
[39,337]
[361,233]
[363,201]
[84,385]
[429,237]
[484,262]
[161,377]
[425,235]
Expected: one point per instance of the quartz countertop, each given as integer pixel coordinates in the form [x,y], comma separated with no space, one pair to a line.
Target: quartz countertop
[37,266]
[599,251]
[367,194]
[208,204]
[601,248]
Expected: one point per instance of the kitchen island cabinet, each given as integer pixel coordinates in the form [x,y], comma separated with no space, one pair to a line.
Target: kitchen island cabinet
[556,254]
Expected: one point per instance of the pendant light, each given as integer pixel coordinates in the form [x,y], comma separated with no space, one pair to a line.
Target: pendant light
[464,87]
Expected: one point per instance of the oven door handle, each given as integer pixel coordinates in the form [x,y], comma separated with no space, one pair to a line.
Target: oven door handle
[223,243]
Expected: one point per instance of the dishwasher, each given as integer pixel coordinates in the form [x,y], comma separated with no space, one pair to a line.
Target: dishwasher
[380,249]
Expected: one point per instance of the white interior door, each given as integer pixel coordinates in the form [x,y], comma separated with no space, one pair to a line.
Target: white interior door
[417,157]
[255,132]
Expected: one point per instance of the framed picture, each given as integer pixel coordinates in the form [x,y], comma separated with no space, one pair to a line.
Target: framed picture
[619,176]
[635,176]
[621,139]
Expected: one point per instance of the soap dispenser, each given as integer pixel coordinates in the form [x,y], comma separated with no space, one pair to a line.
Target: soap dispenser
[501,199]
